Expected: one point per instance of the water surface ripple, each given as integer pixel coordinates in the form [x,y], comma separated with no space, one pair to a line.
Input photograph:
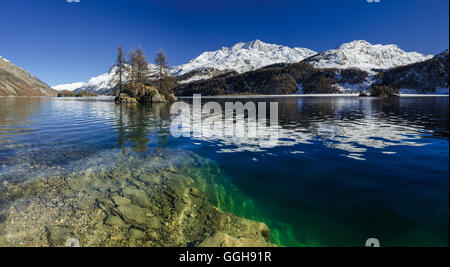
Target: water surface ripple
[344,169]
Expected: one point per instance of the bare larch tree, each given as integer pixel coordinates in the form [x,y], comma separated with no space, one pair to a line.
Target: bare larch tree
[164,81]
[120,68]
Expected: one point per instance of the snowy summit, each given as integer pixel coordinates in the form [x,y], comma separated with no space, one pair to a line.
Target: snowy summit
[243,57]
[363,55]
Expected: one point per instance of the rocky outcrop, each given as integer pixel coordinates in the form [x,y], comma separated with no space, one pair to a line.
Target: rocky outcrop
[15,81]
[172,98]
[124,98]
[157,200]
[149,95]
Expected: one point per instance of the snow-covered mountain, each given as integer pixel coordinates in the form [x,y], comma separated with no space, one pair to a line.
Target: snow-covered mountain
[69,86]
[363,55]
[243,57]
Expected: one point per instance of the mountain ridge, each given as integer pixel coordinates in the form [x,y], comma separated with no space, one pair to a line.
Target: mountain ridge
[241,57]
[364,55]
[248,56]
[426,77]
[15,81]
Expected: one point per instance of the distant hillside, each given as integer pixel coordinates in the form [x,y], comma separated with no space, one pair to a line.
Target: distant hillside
[277,79]
[67,93]
[424,77]
[309,77]
[203,74]
[15,81]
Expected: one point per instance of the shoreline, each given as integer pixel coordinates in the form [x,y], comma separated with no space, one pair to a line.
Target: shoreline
[106,98]
[303,95]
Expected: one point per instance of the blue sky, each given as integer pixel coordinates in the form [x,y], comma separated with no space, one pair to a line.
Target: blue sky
[61,42]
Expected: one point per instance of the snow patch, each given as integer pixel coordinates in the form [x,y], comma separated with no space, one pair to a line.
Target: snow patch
[4,59]
[69,86]
[356,88]
[195,78]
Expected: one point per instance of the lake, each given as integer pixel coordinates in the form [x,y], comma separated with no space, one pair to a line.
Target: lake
[342,170]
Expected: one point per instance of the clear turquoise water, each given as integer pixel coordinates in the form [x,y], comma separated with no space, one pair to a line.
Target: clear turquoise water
[344,170]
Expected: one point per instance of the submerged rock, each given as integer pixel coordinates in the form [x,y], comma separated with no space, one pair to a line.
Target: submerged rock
[58,235]
[137,201]
[121,201]
[172,98]
[221,239]
[138,216]
[137,234]
[117,222]
[124,98]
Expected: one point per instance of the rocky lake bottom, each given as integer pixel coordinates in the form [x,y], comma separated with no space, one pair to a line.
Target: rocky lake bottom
[154,200]
[341,170]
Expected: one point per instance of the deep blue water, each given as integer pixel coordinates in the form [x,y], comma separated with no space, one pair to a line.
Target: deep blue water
[344,169]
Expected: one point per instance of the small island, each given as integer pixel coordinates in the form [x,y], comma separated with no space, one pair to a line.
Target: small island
[384,91]
[136,84]
[380,91]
